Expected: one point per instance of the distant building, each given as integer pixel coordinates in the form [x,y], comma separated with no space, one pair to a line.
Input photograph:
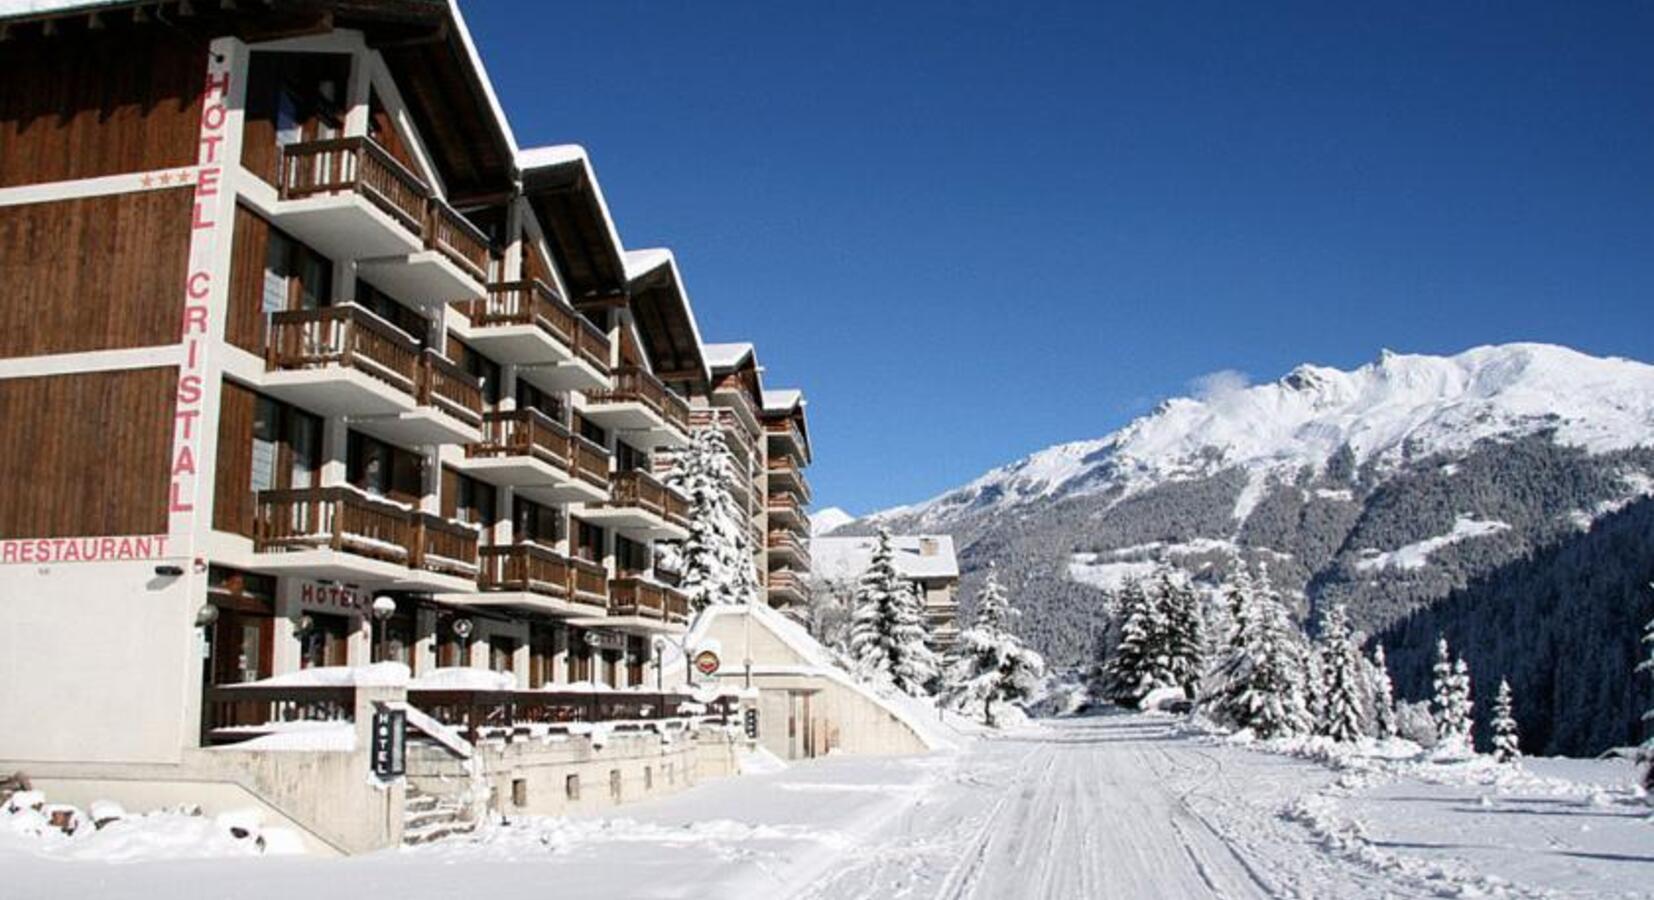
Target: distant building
[926,560]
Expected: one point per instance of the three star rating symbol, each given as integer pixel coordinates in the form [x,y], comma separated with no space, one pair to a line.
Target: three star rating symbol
[184,176]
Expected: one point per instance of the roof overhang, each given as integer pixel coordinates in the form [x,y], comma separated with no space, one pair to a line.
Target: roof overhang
[561,185]
[665,318]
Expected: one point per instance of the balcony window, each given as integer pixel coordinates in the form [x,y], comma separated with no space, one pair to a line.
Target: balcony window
[542,655]
[591,431]
[630,459]
[486,370]
[295,276]
[465,499]
[286,446]
[323,643]
[383,470]
[531,397]
[390,309]
[588,542]
[502,653]
[536,522]
[631,556]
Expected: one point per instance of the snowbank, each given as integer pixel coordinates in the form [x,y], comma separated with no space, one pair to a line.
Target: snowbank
[30,825]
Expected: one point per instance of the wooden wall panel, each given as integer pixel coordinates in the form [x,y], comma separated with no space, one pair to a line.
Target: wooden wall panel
[246,322]
[100,105]
[89,453]
[233,500]
[94,273]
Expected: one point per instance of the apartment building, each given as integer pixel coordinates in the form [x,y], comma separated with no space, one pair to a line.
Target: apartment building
[307,365]
[927,561]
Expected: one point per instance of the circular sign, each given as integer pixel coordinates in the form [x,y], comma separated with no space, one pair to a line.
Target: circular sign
[706,662]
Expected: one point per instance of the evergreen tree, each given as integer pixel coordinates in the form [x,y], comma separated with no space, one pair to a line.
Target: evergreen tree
[1260,680]
[1140,663]
[991,664]
[1383,694]
[1346,694]
[1185,639]
[1505,736]
[1646,751]
[718,557]
[1451,704]
[887,635]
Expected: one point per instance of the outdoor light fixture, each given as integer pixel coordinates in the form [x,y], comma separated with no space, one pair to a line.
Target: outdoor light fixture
[384,606]
[169,571]
[206,615]
[303,624]
[462,628]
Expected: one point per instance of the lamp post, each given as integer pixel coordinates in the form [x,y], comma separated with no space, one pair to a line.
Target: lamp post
[384,606]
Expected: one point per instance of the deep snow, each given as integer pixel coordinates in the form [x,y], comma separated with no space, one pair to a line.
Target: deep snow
[1115,806]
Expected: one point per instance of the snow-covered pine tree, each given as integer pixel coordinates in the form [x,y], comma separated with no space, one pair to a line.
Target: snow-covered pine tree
[717,557]
[1451,704]
[1345,696]
[991,664]
[1140,663]
[1646,751]
[887,632]
[914,666]
[1185,639]
[1505,736]
[1384,695]
[1260,680]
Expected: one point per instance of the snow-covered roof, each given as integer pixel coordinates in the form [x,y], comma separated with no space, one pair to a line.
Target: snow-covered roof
[641,262]
[9,8]
[782,400]
[723,357]
[647,261]
[916,556]
[559,155]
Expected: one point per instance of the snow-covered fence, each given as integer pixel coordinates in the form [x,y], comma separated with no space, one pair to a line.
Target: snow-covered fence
[484,713]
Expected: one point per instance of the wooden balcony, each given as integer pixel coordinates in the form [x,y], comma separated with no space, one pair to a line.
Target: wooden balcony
[786,474]
[340,360]
[787,587]
[785,510]
[641,504]
[351,199]
[788,547]
[532,577]
[738,438]
[640,402]
[526,323]
[453,262]
[460,242]
[634,595]
[534,453]
[445,547]
[591,462]
[510,715]
[447,387]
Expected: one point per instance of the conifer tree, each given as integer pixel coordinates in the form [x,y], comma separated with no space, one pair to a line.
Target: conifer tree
[1345,696]
[1140,663]
[991,664]
[717,557]
[1646,751]
[1383,694]
[1260,680]
[1505,736]
[1451,704]
[887,635]
[1185,639]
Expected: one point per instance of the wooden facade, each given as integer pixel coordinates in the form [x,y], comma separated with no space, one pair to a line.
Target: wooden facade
[95,273]
[126,102]
[58,478]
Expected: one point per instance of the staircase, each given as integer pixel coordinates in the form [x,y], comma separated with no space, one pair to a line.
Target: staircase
[426,818]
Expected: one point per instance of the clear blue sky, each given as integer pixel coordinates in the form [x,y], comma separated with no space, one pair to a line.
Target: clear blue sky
[972,230]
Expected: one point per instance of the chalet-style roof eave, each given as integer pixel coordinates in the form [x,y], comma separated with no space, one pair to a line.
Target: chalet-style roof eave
[666,318]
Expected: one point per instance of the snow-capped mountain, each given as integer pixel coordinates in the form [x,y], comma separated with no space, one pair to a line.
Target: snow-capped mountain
[1397,408]
[1401,489]
[825,520]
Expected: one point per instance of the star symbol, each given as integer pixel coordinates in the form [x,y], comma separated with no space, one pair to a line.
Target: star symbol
[148,181]
[184,177]
[166,177]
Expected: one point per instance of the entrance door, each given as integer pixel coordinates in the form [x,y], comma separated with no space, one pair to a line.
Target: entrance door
[324,643]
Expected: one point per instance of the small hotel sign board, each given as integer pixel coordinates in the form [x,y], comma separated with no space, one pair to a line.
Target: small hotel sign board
[390,743]
[749,723]
[707,662]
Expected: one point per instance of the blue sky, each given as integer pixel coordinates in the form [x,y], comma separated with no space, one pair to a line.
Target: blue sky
[972,230]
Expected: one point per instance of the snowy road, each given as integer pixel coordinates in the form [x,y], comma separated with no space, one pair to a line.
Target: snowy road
[1115,806]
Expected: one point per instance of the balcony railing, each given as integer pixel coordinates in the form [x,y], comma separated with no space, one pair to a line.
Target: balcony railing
[589,582]
[536,569]
[447,387]
[644,491]
[591,461]
[785,581]
[535,303]
[784,505]
[635,595]
[355,164]
[524,432]
[333,518]
[636,385]
[787,542]
[347,336]
[502,714]
[233,713]
[444,547]
[736,435]
[463,243]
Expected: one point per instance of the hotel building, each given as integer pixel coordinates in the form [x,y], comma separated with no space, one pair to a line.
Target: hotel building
[306,365]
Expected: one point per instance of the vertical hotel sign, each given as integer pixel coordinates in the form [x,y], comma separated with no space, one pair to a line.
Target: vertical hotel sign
[207,219]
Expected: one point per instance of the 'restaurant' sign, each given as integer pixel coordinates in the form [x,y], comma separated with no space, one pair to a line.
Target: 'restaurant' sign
[88,549]
[707,662]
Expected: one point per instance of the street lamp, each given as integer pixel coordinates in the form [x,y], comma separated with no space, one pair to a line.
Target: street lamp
[384,606]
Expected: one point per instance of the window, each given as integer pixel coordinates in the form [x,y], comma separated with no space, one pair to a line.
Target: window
[614,784]
[295,276]
[486,370]
[542,655]
[502,652]
[535,522]
[465,499]
[648,778]
[286,446]
[531,397]
[631,556]
[391,310]
[629,458]
[382,469]
[323,643]
[586,429]
[588,542]
[571,787]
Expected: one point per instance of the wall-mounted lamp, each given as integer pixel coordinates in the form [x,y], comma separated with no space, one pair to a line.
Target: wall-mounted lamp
[169,571]
[206,615]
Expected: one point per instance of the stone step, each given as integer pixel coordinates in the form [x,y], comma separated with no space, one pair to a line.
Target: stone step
[423,818]
[437,831]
